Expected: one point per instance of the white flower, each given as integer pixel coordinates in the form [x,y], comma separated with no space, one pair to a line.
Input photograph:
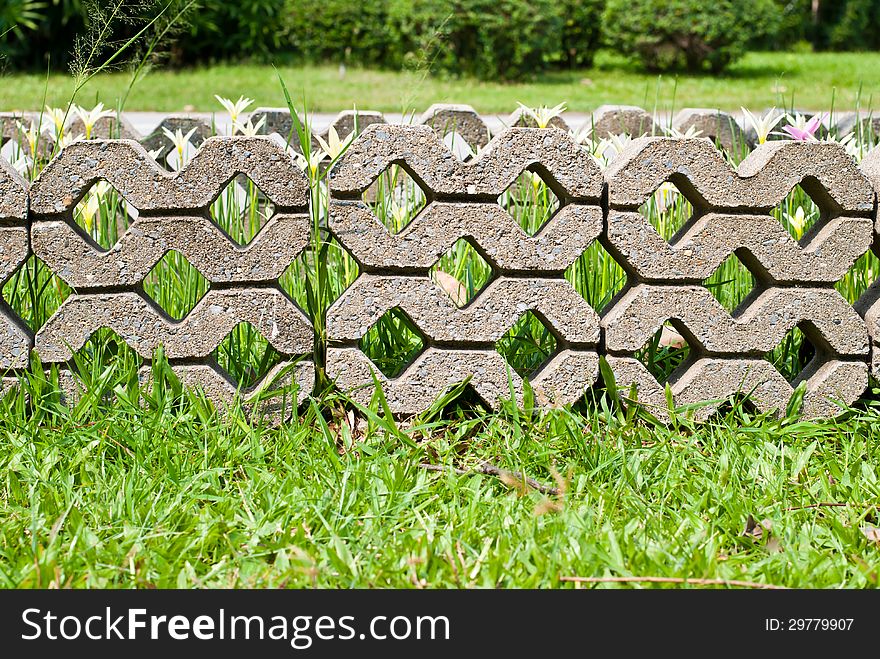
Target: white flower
[234,109]
[311,165]
[67,139]
[798,221]
[666,196]
[764,124]
[59,119]
[92,117]
[674,132]
[30,134]
[334,147]
[543,115]
[180,141]
[89,209]
[248,129]
[22,164]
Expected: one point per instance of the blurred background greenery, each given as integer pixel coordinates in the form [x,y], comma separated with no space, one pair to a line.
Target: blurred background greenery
[488,39]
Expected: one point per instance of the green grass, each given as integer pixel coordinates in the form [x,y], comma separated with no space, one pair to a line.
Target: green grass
[134,487]
[169,496]
[758,80]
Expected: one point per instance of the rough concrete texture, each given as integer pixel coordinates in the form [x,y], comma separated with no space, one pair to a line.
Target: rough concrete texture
[868,306]
[439,225]
[764,244]
[280,122]
[709,382]
[483,321]
[758,326]
[158,140]
[270,400]
[566,167]
[106,128]
[631,120]
[522,119]
[143,326]
[732,215]
[128,168]
[824,170]
[81,264]
[10,130]
[462,119]
[563,380]
[15,337]
[720,127]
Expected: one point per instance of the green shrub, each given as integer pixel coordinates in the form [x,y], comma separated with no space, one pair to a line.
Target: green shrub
[581,31]
[857,28]
[239,29]
[687,34]
[339,30]
[505,39]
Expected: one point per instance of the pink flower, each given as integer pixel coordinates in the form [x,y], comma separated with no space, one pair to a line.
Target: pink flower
[800,129]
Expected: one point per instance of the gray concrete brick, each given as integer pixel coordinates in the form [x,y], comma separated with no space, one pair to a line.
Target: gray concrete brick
[720,127]
[571,172]
[415,249]
[761,182]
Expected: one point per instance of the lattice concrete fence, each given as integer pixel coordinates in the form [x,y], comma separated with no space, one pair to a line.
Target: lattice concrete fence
[795,279]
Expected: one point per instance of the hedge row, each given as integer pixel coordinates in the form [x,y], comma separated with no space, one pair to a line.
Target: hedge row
[504,39]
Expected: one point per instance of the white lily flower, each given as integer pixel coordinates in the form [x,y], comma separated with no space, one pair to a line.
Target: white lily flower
[234,109]
[248,129]
[21,165]
[543,115]
[666,196]
[30,134]
[312,164]
[180,142]
[91,117]
[67,139]
[59,118]
[89,209]
[764,124]
[671,131]
[798,221]
[333,147]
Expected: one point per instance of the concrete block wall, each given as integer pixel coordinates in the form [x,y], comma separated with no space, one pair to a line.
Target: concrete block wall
[795,278]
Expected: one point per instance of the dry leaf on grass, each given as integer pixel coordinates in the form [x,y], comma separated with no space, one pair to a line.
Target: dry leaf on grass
[872,533]
[451,286]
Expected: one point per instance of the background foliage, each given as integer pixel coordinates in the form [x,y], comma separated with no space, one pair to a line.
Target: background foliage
[492,39]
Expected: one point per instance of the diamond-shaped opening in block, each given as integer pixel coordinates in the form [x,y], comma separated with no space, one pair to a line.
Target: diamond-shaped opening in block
[176,160]
[393,342]
[462,273]
[669,209]
[175,285]
[105,348]
[527,345]
[799,213]
[596,276]
[731,283]
[246,355]
[530,201]
[864,272]
[665,352]
[34,292]
[241,210]
[103,214]
[793,353]
[395,198]
[319,276]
